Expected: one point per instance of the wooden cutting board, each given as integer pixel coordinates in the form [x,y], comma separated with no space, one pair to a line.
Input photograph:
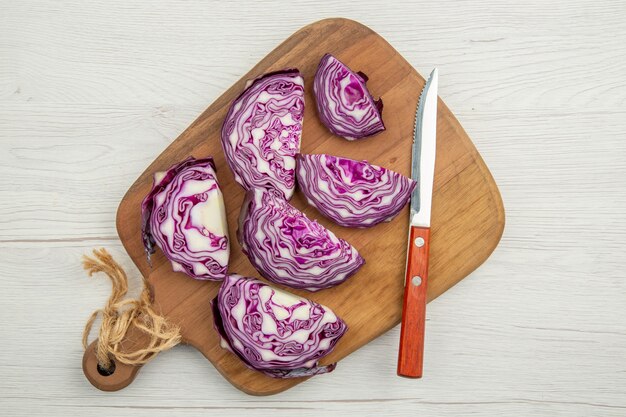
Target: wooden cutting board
[467,223]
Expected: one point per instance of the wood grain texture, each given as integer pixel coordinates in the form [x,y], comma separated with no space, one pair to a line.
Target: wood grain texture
[91,93]
[411,348]
[468,216]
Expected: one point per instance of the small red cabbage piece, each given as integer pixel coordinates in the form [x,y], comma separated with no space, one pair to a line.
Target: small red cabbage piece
[261,132]
[352,193]
[288,248]
[344,104]
[184,215]
[272,331]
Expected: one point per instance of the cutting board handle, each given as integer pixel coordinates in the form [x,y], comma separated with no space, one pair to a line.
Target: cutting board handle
[117,378]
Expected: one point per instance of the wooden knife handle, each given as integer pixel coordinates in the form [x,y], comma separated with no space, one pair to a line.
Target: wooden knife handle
[411,353]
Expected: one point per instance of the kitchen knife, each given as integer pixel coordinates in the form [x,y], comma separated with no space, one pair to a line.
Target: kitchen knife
[411,352]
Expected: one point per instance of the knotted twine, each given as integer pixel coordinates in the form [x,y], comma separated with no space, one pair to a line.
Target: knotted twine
[118,315]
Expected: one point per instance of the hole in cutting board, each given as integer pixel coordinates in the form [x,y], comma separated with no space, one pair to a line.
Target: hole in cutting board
[106,372]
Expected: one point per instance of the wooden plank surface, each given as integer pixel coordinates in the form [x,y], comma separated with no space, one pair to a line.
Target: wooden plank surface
[467,223]
[539,329]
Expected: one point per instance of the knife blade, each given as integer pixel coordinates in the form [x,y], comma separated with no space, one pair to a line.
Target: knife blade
[411,351]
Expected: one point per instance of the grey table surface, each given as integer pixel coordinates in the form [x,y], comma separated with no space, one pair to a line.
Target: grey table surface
[91,92]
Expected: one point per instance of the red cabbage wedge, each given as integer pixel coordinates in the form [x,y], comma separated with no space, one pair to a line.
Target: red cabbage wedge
[261,132]
[352,193]
[288,248]
[344,104]
[184,215]
[272,331]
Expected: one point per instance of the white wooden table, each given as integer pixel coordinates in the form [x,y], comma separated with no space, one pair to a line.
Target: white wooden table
[91,92]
